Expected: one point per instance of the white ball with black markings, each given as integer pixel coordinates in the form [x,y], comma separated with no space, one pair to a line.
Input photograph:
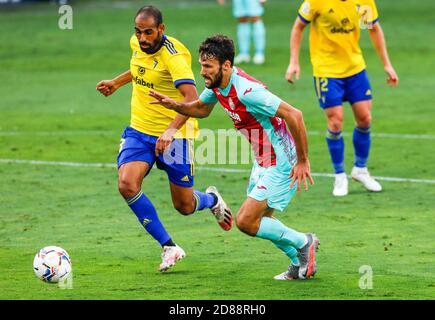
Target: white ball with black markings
[52,264]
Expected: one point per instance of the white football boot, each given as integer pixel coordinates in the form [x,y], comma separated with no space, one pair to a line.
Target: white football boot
[242,58]
[170,256]
[291,274]
[221,211]
[340,185]
[307,257]
[362,175]
[258,59]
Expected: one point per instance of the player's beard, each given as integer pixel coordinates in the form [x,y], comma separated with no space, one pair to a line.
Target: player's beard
[154,46]
[217,81]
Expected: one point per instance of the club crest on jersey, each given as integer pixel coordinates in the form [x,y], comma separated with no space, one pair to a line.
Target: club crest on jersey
[141,70]
[231,103]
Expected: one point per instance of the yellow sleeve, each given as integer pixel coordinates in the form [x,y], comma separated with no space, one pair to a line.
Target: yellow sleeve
[180,69]
[308,10]
[369,12]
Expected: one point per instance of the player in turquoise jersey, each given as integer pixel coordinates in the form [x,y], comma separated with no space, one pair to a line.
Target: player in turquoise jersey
[249,25]
[281,164]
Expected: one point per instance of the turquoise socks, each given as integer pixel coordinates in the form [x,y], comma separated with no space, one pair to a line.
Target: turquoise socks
[285,238]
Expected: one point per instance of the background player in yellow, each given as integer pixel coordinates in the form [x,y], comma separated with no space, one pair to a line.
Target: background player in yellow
[157,135]
[340,75]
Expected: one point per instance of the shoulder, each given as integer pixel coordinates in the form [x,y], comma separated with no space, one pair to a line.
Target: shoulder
[308,5]
[172,46]
[244,83]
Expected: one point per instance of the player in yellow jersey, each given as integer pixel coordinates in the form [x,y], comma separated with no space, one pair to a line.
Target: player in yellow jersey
[340,75]
[160,136]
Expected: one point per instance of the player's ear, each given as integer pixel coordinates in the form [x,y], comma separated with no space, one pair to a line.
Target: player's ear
[227,65]
[162,27]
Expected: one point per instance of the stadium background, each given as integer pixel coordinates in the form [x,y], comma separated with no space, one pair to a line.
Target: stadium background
[51,112]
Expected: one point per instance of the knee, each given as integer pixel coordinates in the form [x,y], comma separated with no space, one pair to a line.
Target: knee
[364,121]
[184,207]
[127,188]
[246,225]
[335,124]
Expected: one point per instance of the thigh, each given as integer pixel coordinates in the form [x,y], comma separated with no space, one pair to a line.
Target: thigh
[358,88]
[178,162]
[330,91]
[274,188]
[136,146]
[133,172]
[362,113]
[247,8]
[253,210]
[254,8]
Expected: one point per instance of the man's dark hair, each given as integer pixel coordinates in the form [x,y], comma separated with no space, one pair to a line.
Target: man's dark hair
[151,11]
[218,47]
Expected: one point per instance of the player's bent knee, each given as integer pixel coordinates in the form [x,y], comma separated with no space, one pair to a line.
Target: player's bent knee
[128,189]
[246,225]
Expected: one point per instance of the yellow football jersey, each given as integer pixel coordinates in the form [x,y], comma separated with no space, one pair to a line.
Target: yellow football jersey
[334,34]
[162,71]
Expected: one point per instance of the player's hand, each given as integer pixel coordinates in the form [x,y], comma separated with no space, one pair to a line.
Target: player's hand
[392,78]
[106,87]
[221,2]
[292,70]
[165,140]
[300,172]
[163,100]
[262,2]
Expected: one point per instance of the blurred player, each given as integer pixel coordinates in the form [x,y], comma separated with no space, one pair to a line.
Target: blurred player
[281,158]
[340,75]
[157,135]
[248,13]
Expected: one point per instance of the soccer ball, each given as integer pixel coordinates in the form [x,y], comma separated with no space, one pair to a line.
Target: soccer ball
[52,264]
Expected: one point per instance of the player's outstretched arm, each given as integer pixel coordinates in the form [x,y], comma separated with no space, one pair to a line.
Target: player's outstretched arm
[165,139]
[107,87]
[295,121]
[196,109]
[293,68]
[378,40]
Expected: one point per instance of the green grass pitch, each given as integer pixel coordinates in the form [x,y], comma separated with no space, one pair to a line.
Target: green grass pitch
[50,111]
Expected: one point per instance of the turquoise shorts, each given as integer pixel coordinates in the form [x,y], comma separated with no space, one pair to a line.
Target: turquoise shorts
[247,8]
[272,185]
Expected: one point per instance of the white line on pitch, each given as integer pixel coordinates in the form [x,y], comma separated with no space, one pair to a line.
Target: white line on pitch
[230,132]
[202,168]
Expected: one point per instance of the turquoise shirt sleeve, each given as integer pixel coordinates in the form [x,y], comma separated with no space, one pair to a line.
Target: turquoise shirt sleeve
[259,100]
[208,96]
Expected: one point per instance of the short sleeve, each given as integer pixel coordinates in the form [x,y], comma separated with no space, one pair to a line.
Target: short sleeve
[180,69]
[369,12]
[208,97]
[308,11]
[260,101]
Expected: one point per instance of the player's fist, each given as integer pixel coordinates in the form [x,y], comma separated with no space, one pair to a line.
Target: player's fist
[392,78]
[106,87]
[292,70]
